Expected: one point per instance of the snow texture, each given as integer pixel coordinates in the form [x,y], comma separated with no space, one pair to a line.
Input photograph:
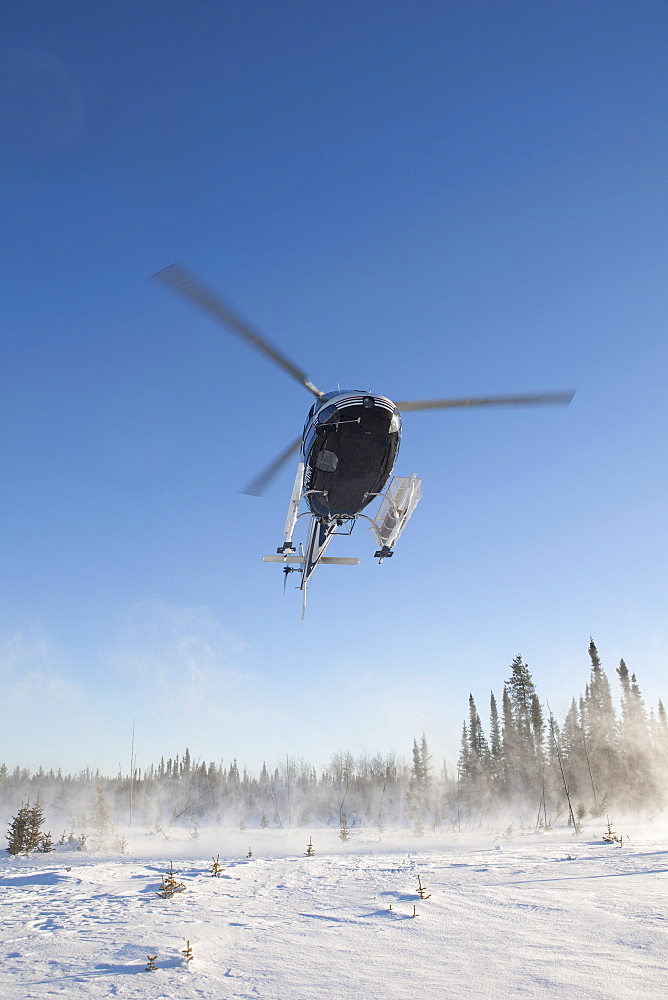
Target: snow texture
[535,916]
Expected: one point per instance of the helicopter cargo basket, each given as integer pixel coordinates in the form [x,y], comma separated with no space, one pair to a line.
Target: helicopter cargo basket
[399,501]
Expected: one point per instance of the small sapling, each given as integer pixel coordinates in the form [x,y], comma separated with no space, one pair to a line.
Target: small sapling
[422,890]
[169,885]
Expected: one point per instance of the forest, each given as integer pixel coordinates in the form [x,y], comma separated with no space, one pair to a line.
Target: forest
[527,769]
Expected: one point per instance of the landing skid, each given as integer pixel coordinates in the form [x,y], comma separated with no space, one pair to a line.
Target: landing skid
[396,508]
[319,537]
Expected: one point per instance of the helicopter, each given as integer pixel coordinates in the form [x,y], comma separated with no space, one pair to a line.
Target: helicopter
[349,446]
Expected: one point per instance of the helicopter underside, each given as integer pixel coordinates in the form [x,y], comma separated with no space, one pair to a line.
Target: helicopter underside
[350,460]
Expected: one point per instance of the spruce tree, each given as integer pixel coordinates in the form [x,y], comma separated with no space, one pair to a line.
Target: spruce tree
[521,689]
[509,743]
[660,740]
[100,817]
[527,763]
[635,748]
[417,764]
[17,833]
[495,753]
[464,754]
[45,845]
[425,757]
[600,699]
[537,727]
[573,749]
[25,832]
[623,674]
[420,782]
[34,833]
[569,741]
[601,727]
[477,742]
[661,712]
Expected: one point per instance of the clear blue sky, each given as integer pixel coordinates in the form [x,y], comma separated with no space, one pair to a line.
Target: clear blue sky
[425,199]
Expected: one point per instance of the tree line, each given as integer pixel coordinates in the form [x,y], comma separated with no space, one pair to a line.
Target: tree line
[594,760]
[523,765]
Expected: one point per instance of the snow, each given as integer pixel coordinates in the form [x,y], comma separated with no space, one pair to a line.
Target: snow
[535,916]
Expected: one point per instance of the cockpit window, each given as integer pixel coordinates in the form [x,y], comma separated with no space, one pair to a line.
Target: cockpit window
[326,413]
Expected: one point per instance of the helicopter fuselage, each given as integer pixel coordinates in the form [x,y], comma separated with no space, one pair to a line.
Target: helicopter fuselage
[350,444]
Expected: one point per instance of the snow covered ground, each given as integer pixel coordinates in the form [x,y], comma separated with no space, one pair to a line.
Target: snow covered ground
[535,916]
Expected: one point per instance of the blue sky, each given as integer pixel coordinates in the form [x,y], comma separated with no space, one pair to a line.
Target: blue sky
[434,199]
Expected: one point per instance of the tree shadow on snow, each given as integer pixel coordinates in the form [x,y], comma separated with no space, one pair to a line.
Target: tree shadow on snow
[400,897]
[103,969]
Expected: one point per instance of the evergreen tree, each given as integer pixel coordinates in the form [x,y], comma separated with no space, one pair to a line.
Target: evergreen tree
[421,768]
[634,719]
[464,754]
[45,845]
[420,783]
[635,750]
[521,690]
[473,765]
[569,740]
[573,751]
[623,674]
[25,832]
[663,719]
[17,833]
[425,757]
[600,700]
[34,833]
[495,751]
[537,727]
[660,742]
[477,742]
[509,742]
[601,726]
[527,728]
[100,818]
[417,763]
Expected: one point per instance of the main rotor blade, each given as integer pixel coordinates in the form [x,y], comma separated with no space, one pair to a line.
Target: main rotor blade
[258,485]
[179,280]
[545,398]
